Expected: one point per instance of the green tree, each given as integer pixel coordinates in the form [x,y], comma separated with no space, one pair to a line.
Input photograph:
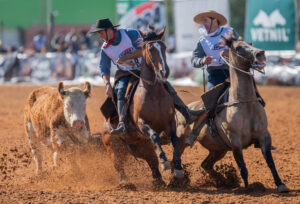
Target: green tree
[169,10]
[237,15]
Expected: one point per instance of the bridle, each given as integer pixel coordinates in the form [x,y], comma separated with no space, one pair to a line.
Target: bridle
[149,55]
[135,67]
[253,66]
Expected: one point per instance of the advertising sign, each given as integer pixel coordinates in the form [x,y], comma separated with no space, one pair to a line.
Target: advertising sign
[139,14]
[272,24]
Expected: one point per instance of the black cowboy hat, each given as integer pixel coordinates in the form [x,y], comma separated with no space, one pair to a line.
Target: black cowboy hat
[103,24]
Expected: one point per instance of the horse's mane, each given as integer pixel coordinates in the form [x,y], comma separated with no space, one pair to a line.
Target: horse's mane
[151,34]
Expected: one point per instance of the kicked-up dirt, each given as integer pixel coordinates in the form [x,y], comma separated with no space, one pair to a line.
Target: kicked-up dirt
[94,180]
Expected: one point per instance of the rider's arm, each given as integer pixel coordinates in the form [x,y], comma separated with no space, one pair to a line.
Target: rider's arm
[198,56]
[134,55]
[105,64]
[135,39]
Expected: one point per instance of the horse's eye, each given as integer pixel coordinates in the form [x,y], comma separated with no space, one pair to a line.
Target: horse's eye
[239,49]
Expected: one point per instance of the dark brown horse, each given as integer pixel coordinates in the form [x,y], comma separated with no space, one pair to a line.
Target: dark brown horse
[243,121]
[150,113]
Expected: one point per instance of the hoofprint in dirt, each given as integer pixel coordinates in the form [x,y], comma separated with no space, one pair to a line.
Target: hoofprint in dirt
[93,179]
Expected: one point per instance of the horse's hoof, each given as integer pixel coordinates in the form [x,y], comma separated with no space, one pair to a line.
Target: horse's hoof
[166,165]
[127,186]
[158,184]
[283,188]
[178,173]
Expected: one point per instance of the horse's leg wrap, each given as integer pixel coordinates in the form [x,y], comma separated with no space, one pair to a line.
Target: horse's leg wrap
[148,131]
[189,115]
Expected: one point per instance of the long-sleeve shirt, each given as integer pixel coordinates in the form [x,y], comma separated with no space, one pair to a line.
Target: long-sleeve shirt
[212,46]
[105,61]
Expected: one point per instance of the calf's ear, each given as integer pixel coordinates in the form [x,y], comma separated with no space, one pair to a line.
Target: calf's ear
[60,89]
[87,89]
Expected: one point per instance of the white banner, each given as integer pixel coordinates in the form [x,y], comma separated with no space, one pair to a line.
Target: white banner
[186,31]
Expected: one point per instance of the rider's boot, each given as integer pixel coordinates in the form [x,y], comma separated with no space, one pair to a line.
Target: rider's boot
[189,115]
[121,128]
[191,138]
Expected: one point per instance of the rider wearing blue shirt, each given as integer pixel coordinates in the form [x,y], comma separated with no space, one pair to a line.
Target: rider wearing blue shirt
[122,47]
[208,52]
[105,62]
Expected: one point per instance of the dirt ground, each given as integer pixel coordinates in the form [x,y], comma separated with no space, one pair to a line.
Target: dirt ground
[94,179]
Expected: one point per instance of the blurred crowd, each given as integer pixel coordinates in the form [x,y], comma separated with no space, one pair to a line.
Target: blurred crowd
[78,42]
[66,55]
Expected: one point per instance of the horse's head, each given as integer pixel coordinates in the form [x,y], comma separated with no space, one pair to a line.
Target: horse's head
[243,54]
[154,52]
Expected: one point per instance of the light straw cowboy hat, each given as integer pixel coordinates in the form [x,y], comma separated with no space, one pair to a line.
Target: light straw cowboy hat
[210,13]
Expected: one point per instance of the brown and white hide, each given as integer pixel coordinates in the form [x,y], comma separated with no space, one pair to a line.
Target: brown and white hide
[56,118]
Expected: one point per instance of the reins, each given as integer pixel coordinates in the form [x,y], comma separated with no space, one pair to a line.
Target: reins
[253,66]
[136,68]
[147,50]
[230,65]
[137,76]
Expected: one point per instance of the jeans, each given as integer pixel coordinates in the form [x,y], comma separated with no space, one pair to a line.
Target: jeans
[216,77]
[121,87]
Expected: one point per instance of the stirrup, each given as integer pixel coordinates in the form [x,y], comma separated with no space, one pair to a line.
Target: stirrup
[120,129]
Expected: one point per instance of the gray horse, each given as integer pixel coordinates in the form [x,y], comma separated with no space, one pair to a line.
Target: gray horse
[242,121]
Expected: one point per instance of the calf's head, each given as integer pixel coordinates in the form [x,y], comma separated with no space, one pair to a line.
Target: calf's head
[74,100]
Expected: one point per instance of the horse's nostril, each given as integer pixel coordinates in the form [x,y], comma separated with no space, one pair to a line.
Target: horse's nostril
[260,55]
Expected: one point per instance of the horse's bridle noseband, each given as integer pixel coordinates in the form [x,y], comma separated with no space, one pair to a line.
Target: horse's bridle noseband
[147,50]
[253,66]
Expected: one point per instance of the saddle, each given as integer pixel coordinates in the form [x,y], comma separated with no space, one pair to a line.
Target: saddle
[109,107]
[215,100]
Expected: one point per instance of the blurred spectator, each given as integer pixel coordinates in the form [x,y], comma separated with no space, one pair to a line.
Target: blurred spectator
[84,39]
[71,41]
[57,43]
[70,35]
[96,48]
[2,50]
[39,41]
[11,50]
[11,65]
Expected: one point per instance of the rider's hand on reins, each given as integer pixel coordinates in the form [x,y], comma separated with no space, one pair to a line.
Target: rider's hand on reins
[123,60]
[207,60]
[225,53]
